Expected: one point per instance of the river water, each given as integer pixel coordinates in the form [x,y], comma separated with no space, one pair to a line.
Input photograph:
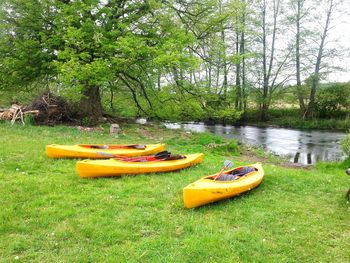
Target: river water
[305,147]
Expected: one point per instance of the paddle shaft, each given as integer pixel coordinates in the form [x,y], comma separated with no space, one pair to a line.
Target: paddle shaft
[220,173]
[227,164]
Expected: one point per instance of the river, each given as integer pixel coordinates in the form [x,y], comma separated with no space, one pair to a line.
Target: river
[300,146]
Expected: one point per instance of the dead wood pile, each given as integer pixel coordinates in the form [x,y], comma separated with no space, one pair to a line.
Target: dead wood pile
[52,109]
[46,109]
[16,112]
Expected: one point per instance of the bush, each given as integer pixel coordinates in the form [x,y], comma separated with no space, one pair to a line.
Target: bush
[333,100]
[345,145]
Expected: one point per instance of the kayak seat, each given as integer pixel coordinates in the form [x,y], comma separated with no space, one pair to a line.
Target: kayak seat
[174,157]
[236,174]
[228,177]
[99,146]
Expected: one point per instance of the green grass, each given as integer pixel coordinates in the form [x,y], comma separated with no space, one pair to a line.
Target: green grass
[49,214]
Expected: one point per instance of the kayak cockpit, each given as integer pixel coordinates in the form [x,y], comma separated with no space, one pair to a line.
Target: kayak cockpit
[106,147]
[234,174]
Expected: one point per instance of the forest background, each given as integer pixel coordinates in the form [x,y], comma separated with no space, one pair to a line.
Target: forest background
[213,60]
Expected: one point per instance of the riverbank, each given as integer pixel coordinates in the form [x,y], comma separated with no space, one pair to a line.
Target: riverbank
[49,214]
[340,125]
[298,123]
[290,118]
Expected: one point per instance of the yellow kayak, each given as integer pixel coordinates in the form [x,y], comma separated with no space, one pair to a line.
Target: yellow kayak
[207,190]
[114,167]
[93,151]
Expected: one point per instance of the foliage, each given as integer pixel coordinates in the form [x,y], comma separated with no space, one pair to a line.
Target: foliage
[85,45]
[345,144]
[174,60]
[25,52]
[332,99]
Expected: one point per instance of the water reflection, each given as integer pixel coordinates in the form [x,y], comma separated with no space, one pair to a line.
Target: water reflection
[304,147]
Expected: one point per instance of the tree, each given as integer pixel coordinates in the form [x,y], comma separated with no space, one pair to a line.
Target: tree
[311,23]
[309,111]
[213,23]
[296,18]
[26,44]
[86,45]
[270,74]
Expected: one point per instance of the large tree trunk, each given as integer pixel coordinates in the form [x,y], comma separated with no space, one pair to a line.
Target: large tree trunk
[90,106]
[264,108]
[267,66]
[238,100]
[309,113]
[225,82]
[242,51]
[297,59]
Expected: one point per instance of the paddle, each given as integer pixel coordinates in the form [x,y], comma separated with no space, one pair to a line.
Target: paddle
[157,156]
[227,164]
[131,146]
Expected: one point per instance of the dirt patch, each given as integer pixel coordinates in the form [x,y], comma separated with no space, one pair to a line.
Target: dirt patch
[253,158]
[90,129]
[297,165]
[145,133]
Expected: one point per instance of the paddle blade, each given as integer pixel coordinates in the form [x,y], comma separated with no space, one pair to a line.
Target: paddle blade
[228,164]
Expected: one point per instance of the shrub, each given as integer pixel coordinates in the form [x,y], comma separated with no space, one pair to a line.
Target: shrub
[332,100]
[345,145]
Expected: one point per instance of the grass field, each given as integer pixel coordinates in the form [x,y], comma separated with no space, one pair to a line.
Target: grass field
[49,214]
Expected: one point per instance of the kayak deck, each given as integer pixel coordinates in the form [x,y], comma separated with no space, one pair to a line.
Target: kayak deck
[113,167]
[83,151]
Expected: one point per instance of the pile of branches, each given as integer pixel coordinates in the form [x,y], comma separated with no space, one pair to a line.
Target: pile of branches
[16,112]
[52,109]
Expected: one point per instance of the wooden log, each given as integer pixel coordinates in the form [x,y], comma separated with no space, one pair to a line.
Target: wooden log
[34,112]
[15,112]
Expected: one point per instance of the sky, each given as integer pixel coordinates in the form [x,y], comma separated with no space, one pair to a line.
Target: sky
[341,32]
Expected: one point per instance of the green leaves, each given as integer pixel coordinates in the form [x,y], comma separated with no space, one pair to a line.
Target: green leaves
[25,52]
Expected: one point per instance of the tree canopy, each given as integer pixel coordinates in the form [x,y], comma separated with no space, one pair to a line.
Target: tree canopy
[197,59]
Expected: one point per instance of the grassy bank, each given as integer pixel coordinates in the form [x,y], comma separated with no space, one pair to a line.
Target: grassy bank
[290,118]
[49,214]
